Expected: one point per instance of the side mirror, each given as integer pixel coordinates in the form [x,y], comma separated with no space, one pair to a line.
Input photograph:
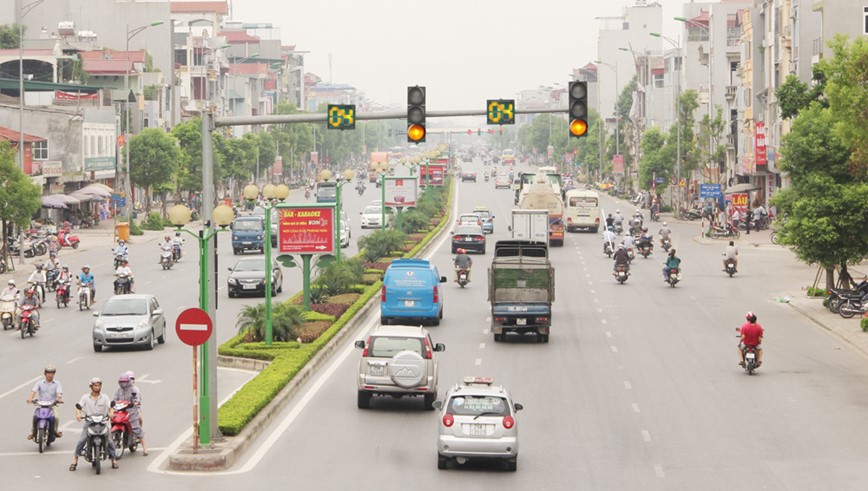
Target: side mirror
[439,347]
[78,406]
[158,312]
[95,314]
[517,406]
[443,279]
[437,404]
[359,344]
[229,269]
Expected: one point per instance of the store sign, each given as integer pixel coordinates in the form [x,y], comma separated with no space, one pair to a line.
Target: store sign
[739,200]
[400,191]
[304,229]
[760,144]
[618,164]
[52,168]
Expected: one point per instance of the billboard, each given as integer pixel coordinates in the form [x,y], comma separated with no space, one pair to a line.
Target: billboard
[306,229]
[400,191]
[739,200]
[436,171]
[618,164]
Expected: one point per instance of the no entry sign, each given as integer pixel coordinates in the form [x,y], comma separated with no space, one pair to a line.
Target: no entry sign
[194,326]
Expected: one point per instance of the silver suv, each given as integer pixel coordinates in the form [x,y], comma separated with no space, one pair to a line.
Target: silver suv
[398,361]
[477,421]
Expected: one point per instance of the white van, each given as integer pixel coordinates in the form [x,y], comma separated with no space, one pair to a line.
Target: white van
[582,210]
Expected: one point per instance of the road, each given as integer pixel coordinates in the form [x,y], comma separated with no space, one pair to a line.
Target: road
[637,389]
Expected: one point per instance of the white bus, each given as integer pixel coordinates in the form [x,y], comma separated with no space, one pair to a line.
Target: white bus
[582,210]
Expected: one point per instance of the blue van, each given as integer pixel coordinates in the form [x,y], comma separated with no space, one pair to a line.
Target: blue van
[248,233]
[411,293]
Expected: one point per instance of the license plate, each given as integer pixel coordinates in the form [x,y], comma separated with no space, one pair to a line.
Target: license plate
[248,287]
[521,322]
[116,334]
[750,356]
[477,430]
[468,239]
[246,243]
[377,369]
[409,303]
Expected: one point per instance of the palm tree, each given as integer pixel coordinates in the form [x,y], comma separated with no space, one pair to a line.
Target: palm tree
[285,319]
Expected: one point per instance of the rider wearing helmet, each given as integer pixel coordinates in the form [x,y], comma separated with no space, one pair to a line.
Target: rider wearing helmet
[122,249]
[619,218]
[11,291]
[167,246]
[609,237]
[94,402]
[621,258]
[127,391]
[85,278]
[751,335]
[30,299]
[124,269]
[664,232]
[38,279]
[47,390]
[646,239]
[463,261]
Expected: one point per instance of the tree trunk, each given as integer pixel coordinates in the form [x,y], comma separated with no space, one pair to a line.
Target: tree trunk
[830,278]
[845,281]
[147,202]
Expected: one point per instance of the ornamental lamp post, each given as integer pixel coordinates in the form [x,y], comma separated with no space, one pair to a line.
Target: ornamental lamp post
[222,216]
[272,194]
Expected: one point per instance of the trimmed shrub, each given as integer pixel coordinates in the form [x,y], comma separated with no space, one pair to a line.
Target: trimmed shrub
[816,292]
[347,298]
[371,278]
[380,244]
[339,276]
[154,222]
[332,309]
[313,316]
[863,323]
[310,331]
[414,221]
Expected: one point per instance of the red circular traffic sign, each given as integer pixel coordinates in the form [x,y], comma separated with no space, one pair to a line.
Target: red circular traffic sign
[194,326]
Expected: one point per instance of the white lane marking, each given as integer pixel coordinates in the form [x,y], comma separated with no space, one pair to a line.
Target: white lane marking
[600,310]
[74,360]
[646,436]
[608,334]
[593,292]
[590,283]
[635,408]
[658,469]
[614,349]
[55,454]
[48,320]
[181,307]
[478,362]
[149,282]
[588,275]
[628,385]
[488,319]
[144,379]
[16,389]
[602,321]
[596,301]
[486,331]
[481,345]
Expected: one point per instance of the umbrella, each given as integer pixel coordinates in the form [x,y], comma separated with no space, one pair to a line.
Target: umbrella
[82,197]
[742,188]
[94,190]
[69,200]
[101,186]
[52,202]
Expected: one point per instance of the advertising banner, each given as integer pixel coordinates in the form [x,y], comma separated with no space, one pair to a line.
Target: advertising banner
[436,171]
[739,200]
[761,144]
[400,191]
[618,164]
[306,229]
[52,168]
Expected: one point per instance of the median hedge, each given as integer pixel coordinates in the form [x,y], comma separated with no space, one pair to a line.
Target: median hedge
[288,358]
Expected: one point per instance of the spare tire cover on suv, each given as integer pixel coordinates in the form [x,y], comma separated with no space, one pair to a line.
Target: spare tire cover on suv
[407,369]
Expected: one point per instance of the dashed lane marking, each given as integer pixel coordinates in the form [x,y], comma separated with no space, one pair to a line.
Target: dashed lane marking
[628,385]
[16,389]
[646,436]
[608,334]
[481,345]
[478,362]
[74,360]
[614,349]
[658,469]
[635,408]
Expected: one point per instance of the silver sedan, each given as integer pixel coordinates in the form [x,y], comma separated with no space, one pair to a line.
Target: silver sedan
[129,320]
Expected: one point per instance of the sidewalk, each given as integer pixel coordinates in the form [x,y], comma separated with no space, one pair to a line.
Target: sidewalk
[847,330]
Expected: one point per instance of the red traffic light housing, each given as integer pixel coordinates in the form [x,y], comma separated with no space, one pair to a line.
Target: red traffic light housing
[578,99]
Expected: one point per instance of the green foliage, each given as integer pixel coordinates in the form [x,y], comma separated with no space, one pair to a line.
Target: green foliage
[710,150]
[816,292]
[314,316]
[863,323]
[793,95]
[414,221]
[135,229]
[19,197]
[285,319]
[656,160]
[338,277]
[155,222]
[153,159]
[380,243]
[814,147]
[847,93]
[9,37]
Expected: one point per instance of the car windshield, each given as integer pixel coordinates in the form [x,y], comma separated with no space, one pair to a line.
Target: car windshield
[126,306]
[250,265]
[373,210]
[468,230]
[484,214]
[387,347]
[468,405]
[469,218]
[248,225]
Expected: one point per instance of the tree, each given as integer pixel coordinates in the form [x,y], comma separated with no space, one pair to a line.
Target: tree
[19,197]
[847,92]
[189,171]
[9,38]
[709,148]
[285,319]
[656,158]
[793,95]
[154,158]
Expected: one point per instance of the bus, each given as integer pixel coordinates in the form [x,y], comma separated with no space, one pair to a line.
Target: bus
[326,192]
[582,210]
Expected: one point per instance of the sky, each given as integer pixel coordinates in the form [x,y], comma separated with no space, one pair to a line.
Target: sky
[463,51]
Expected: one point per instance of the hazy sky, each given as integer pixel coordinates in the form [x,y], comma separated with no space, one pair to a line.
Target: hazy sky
[464,51]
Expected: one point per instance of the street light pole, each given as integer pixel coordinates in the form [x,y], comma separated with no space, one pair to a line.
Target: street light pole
[614,68]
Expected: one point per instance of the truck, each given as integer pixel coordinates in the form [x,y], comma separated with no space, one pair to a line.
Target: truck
[521,289]
[542,196]
[530,225]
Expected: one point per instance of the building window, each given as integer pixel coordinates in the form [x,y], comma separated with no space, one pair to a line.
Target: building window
[658,81]
[40,150]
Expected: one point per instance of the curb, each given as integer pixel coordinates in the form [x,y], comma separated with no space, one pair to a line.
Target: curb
[223,454]
[856,339]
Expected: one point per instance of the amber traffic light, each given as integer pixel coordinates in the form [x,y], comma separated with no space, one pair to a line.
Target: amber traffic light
[578,108]
[416,114]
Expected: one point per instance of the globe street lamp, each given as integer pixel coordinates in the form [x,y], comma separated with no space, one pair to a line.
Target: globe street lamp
[347,176]
[272,194]
[222,216]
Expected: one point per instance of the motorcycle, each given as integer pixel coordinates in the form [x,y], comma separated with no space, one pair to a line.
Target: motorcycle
[462,278]
[853,304]
[122,284]
[120,257]
[692,214]
[67,240]
[619,228]
[622,272]
[666,243]
[607,248]
[61,294]
[43,434]
[486,178]
[726,231]
[360,189]
[835,296]
[122,430]
[176,252]
[774,237]
[26,323]
[38,288]
[51,279]
[15,248]
[7,312]
[750,361]
[40,246]
[730,267]
[306,194]
[645,248]
[630,254]
[84,297]
[674,277]
[166,259]
[96,444]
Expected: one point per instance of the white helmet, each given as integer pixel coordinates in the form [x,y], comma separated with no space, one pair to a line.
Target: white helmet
[11,282]
[617,211]
[664,224]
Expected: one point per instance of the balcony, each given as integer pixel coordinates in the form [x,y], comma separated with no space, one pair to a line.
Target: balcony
[730,93]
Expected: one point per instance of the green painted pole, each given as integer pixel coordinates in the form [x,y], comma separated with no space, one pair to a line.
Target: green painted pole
[268,273]
[205,391]
[383,201]
[305,268]
[399,224]
[337,233]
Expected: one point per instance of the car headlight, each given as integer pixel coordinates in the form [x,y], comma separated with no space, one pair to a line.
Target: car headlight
[143,323]
[98,325]
[233,281]
[234,237]
[258,237]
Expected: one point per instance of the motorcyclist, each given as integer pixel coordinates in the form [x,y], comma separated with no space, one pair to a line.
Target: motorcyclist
[93,403]
[463,261]
[672,262]
[751,335]
[731,254]
[11,291]
[664,233]
[636,223]
[646,239]
[31,300]
[177,244]
[47,390]
[124,269]
[619,218]
[655,210]
[166,246]
[621,258]
[38,279]
[628,241]
[127,391]
[122,249]
[610,222]
[85,278]
[609,237]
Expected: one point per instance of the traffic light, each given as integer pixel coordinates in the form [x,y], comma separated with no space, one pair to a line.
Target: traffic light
[578,109]
[416,114]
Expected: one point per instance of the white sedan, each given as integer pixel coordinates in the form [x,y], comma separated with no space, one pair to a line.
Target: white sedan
[371,217]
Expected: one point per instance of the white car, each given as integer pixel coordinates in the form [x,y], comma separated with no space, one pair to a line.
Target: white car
[371,217]
[345,234]
[477,421]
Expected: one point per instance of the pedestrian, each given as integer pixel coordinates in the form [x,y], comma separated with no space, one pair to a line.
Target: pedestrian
[735,218]
[748,220]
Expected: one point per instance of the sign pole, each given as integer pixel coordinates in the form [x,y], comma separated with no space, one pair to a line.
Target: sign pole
[305,268]
[383,201]
[194,328]
[337,234]
[195,399]
[268,272]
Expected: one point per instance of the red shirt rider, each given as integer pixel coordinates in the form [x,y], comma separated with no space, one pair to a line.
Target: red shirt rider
[751,334]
